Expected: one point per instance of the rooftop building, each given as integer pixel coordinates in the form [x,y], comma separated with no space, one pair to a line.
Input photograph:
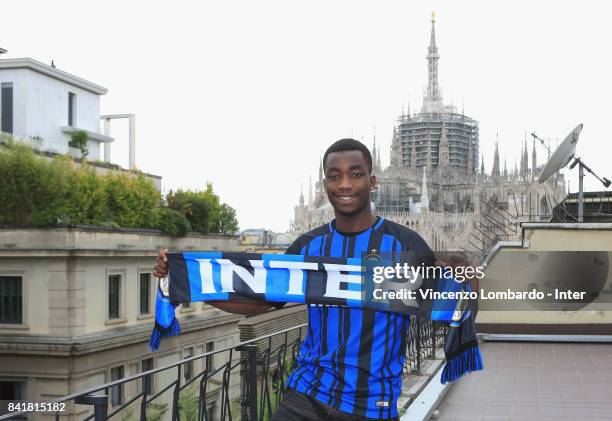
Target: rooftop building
[46,106]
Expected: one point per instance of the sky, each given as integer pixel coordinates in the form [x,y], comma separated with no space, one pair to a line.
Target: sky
[248,95]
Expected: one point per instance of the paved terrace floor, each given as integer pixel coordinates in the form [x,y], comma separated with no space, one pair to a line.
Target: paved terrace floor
[535,381]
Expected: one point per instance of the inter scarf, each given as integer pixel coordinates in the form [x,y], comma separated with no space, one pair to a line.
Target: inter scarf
[334,281]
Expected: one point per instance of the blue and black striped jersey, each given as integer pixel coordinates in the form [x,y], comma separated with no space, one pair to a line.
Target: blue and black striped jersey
[351,358]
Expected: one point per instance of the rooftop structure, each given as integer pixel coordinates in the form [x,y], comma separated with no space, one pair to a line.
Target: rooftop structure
[46,106]
[265,241]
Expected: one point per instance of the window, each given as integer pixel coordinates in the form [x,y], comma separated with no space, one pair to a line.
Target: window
[71,109]
[147,381]
[188,367]
[6,112]
[11,300]
[210,366]
[116,373]
[11,391]
[145,293]
[114,291]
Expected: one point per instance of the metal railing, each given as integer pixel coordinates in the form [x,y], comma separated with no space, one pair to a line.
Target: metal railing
[248,385]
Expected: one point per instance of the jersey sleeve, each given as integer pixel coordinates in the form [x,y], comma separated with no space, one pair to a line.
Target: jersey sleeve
[417,253]
[294,248]
[415,246]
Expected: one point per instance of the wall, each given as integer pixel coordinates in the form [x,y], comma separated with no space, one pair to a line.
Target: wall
[65,273]
[40,106]
[584,237]
[66,342]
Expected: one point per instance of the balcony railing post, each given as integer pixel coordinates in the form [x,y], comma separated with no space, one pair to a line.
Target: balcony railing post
[418,343]
[433,339]
[251,380]
[99,402]
[176,394]
[143,408]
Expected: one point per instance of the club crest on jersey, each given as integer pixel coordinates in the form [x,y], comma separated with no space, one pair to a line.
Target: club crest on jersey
[373,255]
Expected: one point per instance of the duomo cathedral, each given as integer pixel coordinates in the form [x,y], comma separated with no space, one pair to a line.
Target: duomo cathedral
[435,186]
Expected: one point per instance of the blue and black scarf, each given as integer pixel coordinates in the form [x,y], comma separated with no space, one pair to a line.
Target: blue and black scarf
[281,278]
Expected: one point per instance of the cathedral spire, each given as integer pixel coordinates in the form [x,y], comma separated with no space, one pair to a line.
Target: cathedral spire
[301,195]
[432,41]
[534,161]
[524,159]
[482,169]
[374,149]
[375,155]
[495,170]
[432,103]
[310,196]
[432,62]
[424,194]
[525,169]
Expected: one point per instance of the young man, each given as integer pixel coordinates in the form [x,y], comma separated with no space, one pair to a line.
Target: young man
[350,364]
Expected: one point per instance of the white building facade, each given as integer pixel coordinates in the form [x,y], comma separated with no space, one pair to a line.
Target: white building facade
[44,105]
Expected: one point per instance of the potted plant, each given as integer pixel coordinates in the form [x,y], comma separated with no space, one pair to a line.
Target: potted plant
[77,146]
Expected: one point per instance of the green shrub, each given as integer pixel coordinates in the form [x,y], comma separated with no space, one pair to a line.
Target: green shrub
[172,222]
[52,203]
[39,192]
[26,193]
[78,140]
[131,201]
[86,198]
[204,211]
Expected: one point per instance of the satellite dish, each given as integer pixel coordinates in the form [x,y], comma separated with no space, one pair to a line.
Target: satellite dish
[562,155]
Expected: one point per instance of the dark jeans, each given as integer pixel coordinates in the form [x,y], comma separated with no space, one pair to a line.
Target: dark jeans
[298,407]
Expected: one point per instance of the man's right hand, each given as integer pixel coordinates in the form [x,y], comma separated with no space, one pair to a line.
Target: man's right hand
[161,264]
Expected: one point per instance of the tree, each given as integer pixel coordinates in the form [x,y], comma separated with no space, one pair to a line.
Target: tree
[227,223]
[173,223]
[203,210]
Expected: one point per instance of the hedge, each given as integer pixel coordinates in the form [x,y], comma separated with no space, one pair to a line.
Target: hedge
[43,193]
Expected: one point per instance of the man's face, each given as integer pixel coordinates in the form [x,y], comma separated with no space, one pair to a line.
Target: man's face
[348,182]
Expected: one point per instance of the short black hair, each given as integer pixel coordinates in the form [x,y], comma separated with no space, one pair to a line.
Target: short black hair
[349,144]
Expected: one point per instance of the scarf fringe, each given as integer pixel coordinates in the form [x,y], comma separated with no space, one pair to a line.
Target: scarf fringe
[463,363]
[159,332]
